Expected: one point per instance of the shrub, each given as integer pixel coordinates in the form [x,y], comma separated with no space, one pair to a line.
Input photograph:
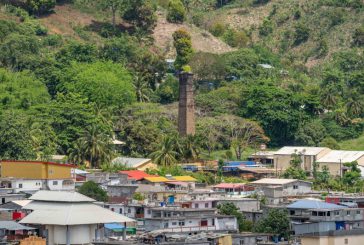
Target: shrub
[236,38]
[336,16]
[39,7]
[176,12]
[358,37]
[182,43]
[218,29]
[266,28]
[302,33]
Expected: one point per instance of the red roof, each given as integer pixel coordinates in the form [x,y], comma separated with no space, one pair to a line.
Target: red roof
[136,174]
[40,162]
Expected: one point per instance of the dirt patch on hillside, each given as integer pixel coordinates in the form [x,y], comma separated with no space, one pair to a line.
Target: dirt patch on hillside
[65,19]
[201,40]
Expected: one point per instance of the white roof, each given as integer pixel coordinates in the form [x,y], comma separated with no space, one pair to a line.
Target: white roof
[21,203]
[271,181]
[80,171]
[343,156]
[289,150]
[130,162]
[52,213]
[60,196]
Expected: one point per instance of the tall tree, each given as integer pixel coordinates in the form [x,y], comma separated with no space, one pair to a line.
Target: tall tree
[142,87]
[182,43]
[141,14]
[166,154]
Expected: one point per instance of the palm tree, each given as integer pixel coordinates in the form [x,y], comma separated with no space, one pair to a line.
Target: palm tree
[97,145]
[166,155]
[191,148]
[142,88]
[76,154]
[328,99]
[354,107]
[340,116]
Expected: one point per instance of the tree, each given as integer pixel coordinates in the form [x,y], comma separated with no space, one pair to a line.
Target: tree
[114,6]
[190,148]
[176,11]
[142,87]
[15,137]
[302,33]
[93,190]
[358,36]
[295,171]
[141,14]
[104,83]
[311,133]
[330,142]
[182,43]
[353,176]
[97,145]
[229,208]
[276,222]
[39,7]
[76,153]
[166,154]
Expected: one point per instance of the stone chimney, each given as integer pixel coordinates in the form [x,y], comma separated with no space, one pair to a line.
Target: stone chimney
[186,108]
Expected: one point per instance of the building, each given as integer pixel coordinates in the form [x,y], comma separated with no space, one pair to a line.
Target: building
[309,155]
[175,219]
[31,176]
[250,238]
[69,217]
[135,163]
[136,175]
[252,173]
[233,188]
[335,160]
[278,190]
[358,200]
[12,231]
[186,107]
[339,237]
[263,157]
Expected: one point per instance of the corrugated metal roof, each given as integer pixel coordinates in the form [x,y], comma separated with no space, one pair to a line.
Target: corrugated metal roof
[184,178]
[13,226]
[136,174]
[271,181]
[60,196]
[156,179]
[313,204]
[130,162]
[52,213]
[335,156]
[229,185]
[289,150]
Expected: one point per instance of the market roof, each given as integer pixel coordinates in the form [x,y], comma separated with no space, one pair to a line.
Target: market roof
[311,151]
[156,179]
[272,181]
[131,162]
[313,204]
[136,174]
[13,226]
[185,178]
[53,213]
[335,156]
[60,196]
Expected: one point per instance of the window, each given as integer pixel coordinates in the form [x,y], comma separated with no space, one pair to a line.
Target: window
[20,185]
[337,213]
[174,223]
[3,200]
[291,212]
[206,205]
[203,222]
[314,213]
[181,223]
[196,205]
[346,240]
[129,210]
[348,213]
[120,211]
[295,187]
[358,212]
[242,242]
[149,211]
[55,182]
[112,209]
[328,213]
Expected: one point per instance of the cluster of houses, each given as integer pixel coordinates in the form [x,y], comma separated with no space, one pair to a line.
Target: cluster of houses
[40,202]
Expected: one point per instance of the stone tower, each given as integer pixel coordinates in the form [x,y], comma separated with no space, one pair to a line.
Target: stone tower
[186,108]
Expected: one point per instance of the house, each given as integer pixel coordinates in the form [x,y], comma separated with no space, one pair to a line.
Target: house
[309,155]
[277,190]
[12,231]
[233,188]
[136,175]
[31,176]
[250,238]
[251,173]
[335,160]
[263,157]
[69,217]
[136,163]
[176,220]
[13,210]
[346,199]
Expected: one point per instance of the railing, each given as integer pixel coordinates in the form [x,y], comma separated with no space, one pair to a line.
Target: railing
[191,228]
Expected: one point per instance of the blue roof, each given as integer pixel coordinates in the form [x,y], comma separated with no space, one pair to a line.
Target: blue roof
[238,163]
[313,204]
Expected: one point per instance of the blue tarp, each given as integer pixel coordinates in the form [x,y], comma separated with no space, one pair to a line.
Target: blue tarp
[233,165]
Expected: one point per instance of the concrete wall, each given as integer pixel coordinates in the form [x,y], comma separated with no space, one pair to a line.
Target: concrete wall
[313,227]
[79,234]
[36,170]
[243,205]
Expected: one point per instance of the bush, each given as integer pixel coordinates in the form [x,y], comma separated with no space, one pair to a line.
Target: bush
[302,33]
[176,12]
[266,28]
[218,29]
[236,38]
[358,37]
[39,7]
[336,16]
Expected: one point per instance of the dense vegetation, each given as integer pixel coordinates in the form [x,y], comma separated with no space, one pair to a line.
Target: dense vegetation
[71,95]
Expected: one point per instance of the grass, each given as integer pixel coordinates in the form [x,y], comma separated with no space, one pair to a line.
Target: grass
[353,144]
[216,155]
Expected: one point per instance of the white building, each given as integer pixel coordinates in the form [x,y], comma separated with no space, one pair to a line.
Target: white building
[69,217]
[33,185]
